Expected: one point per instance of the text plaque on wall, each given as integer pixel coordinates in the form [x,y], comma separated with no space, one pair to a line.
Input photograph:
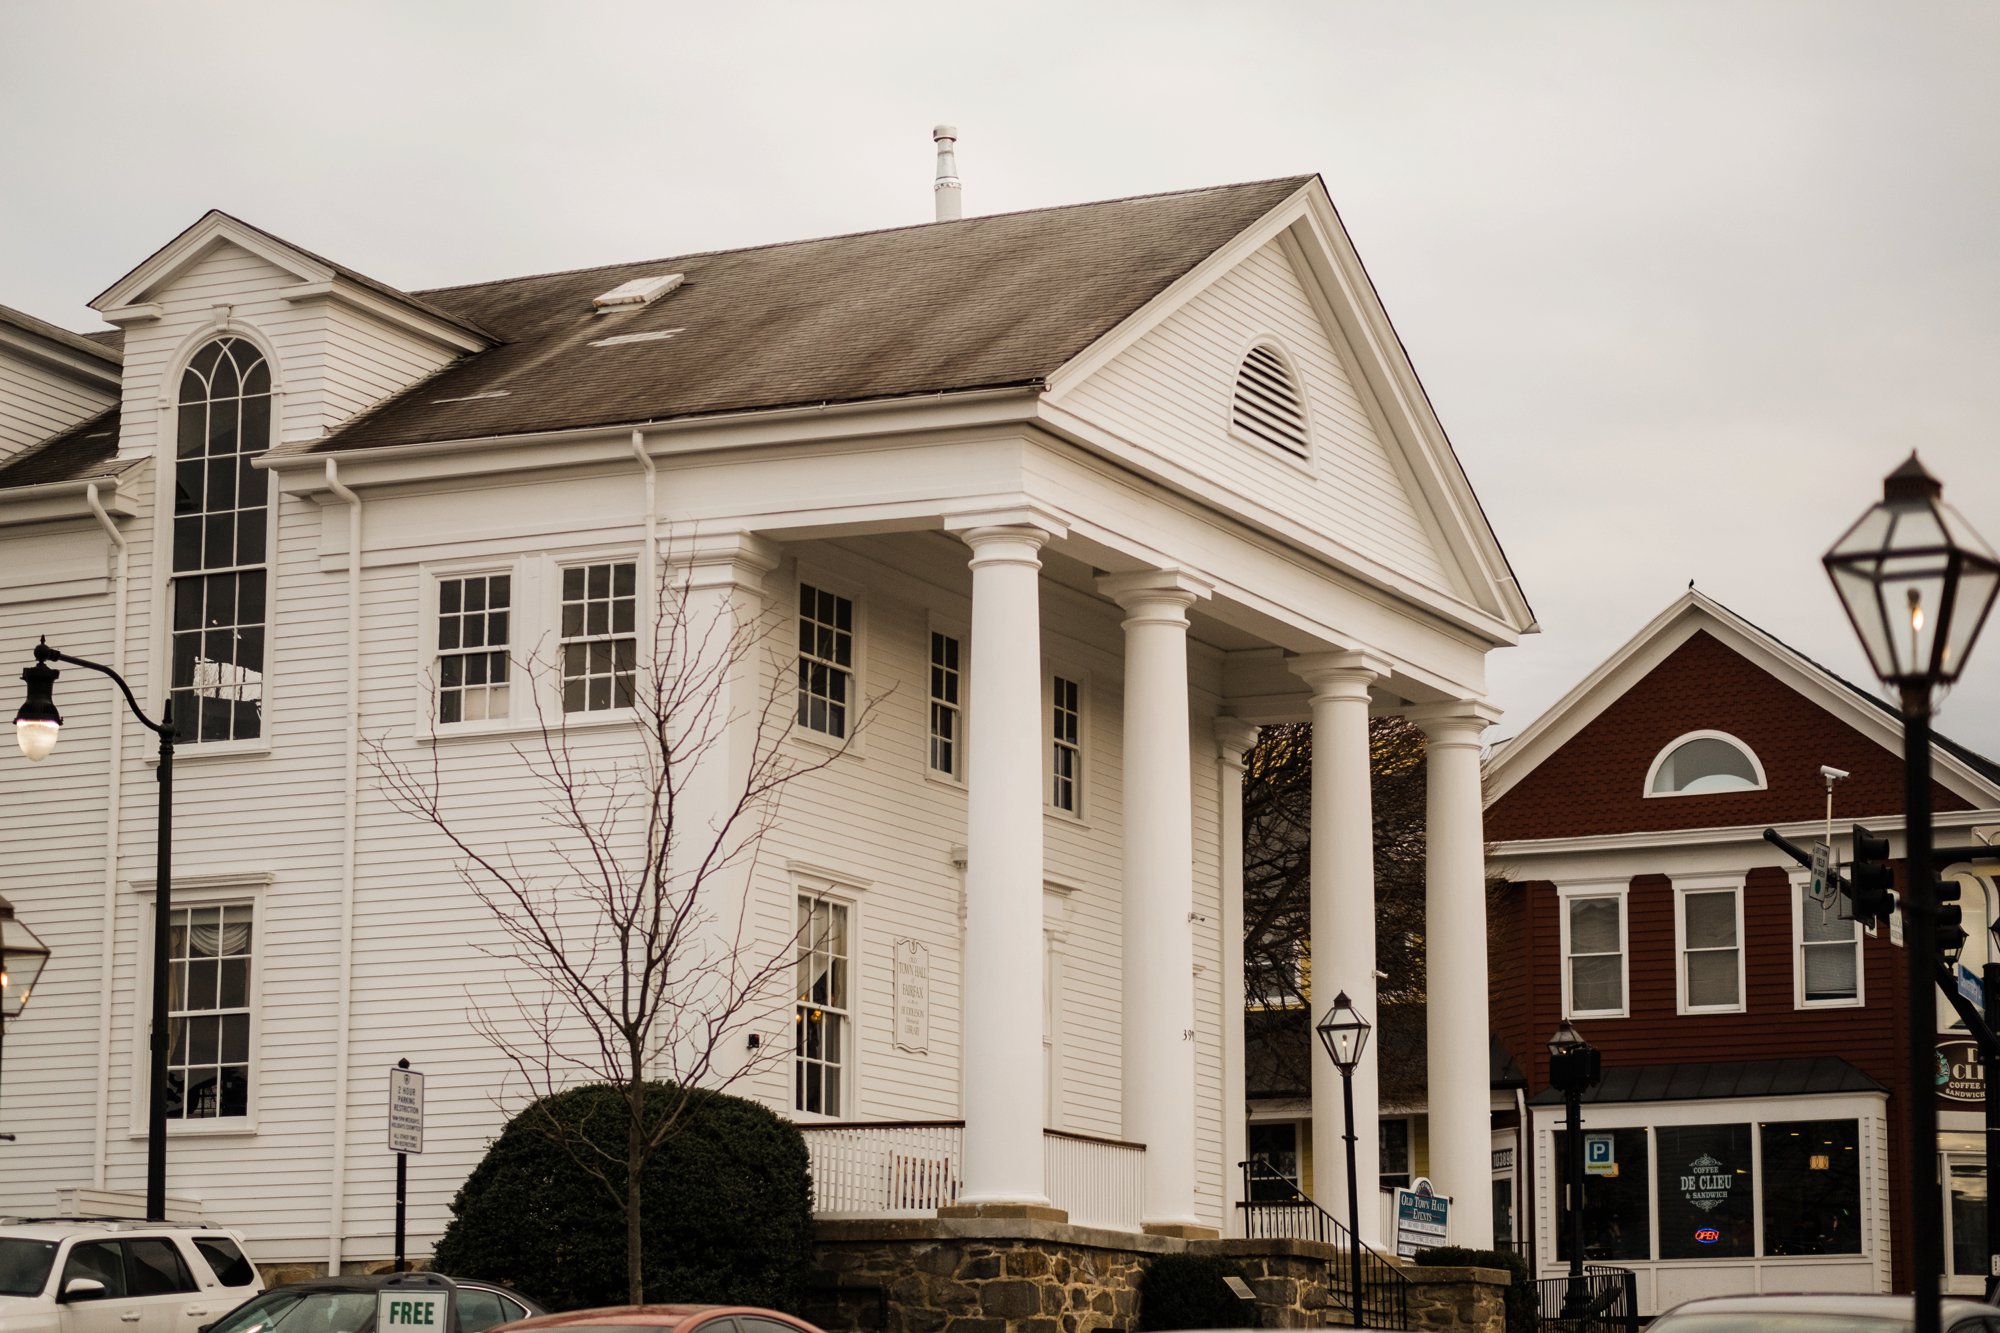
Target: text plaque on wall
[913,997]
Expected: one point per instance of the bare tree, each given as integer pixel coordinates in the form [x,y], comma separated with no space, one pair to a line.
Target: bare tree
[635,954]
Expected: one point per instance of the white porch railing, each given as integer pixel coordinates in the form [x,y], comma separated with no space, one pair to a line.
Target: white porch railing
[911,1168]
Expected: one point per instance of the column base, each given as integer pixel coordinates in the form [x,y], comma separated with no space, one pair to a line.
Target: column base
[1032,1212]
[1181,1230]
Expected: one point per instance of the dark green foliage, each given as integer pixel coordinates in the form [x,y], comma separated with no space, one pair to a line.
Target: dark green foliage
[726,1212]
[1521,1303]
[1187,1291]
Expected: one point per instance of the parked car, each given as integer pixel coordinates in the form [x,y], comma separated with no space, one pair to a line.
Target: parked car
[1819,1314]
[96,1275]
[347,1305]
[663,1319]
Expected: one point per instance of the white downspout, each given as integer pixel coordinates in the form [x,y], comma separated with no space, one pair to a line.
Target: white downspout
[648,588]
[337,1206]
[114,804]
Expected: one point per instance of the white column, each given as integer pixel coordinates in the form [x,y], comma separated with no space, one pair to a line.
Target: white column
[1004,1096]
[1455,942]
[1233,738]
[1158,949]
[1343,925]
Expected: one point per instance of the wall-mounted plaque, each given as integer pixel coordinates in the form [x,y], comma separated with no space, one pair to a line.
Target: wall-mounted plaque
[913,996]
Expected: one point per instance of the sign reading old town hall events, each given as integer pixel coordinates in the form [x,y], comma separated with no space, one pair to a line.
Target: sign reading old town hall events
[1421,1215]
[913,996]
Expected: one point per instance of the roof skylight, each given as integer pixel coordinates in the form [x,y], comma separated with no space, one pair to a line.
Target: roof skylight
[638,292]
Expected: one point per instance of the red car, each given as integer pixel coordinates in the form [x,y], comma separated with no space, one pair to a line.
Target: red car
[662,1319]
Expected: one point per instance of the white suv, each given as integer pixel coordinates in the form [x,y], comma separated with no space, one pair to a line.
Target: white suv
[82,1275]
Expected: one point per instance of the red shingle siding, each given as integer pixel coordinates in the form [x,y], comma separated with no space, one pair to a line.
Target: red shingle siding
[1594,784]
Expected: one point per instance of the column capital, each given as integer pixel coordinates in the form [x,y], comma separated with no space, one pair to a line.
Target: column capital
[1171,586]
[734,558]
[1340,675]
[1235,737]
[1024,521]
[1454,722]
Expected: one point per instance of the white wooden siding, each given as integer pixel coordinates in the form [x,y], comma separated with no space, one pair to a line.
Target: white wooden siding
[36,403]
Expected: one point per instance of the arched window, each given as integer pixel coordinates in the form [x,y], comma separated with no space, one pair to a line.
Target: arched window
[1702,762]
[1268,405]
[220,504]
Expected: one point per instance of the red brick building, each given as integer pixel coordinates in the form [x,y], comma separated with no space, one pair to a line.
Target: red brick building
[1747,1131]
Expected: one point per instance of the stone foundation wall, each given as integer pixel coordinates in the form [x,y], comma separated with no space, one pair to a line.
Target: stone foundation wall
[1451,1300]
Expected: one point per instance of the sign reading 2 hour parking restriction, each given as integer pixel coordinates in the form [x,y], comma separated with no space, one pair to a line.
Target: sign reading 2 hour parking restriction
[406,1116]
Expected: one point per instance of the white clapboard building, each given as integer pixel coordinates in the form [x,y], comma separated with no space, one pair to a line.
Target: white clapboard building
[1078,495]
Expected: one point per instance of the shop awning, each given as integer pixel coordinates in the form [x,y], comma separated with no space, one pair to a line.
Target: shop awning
[1713,1080]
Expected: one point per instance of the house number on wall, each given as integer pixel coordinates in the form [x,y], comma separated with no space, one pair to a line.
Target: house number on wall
[913,996]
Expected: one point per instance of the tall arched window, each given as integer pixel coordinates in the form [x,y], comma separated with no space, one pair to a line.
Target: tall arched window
[220,503]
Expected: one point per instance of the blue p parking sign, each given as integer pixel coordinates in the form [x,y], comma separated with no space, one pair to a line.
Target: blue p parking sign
[1600,1157]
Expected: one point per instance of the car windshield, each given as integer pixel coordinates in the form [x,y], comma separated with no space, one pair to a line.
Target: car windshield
[24,1265]
[1776,1321]
[300,1312]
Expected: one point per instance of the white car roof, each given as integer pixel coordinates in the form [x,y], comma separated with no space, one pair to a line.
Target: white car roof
[1871,1304]
[66,1229]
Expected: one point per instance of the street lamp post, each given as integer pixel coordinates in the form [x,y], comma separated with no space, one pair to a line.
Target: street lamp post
[1574,1067]
[1917,583]
[22,957]
[1345,1034]
[37,726]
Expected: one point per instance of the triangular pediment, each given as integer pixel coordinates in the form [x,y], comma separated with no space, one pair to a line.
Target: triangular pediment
[1371,483]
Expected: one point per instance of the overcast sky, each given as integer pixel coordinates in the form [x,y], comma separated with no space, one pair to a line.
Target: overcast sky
[1684,280]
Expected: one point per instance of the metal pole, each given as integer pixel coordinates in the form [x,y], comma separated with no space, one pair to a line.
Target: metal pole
[1920,940]
[1353,1196]
[402,1193]
[163,906]
[1576,1296]
[1990,975]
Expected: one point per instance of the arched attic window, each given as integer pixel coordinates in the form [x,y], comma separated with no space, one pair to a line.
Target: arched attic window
[1704,762]
[1268,405]
[219,565]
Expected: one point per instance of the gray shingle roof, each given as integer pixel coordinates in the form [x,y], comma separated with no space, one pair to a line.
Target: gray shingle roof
[985,302]
[87,451]
[90,344]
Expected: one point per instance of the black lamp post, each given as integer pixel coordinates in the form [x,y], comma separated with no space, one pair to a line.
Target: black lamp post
[22,957]
[1345,1033]
[37,726]
[1917,583]
[1574,1067]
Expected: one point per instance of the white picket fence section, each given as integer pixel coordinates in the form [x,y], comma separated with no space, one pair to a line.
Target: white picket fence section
[911,1168]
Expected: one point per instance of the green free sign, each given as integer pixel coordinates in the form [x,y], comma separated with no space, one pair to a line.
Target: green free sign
[401,1310]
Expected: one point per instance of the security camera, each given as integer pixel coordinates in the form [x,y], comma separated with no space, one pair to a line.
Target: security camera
[1832,774]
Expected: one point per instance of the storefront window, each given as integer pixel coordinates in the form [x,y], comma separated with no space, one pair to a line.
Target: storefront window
[1812,1187]
[1967,1184]
[1616,1217]
[1705,1192]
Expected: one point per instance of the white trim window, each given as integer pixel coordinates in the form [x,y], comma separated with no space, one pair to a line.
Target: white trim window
[947,723]
[1829,954]
[824,1014]
[600,643]
[826,661]
[1703,763]
[1065,744]
[209,955]
[1593,943]
[474,626]
[1708,936]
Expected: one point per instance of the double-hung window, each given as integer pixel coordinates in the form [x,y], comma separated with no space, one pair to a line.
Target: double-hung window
[1710,930]
[947,706]
[1594,954]
[600,644]
[1066,744]
[208,1012]
[826,661]
[1829,955]
[473,624]
[822,1015]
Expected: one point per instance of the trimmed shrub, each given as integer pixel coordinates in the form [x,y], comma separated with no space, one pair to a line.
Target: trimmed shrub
[1187,1291]
[1522,1306]
[726,1212]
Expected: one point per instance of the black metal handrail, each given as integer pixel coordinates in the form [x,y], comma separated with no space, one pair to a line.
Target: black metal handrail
[1286,1212]
[1604,1300]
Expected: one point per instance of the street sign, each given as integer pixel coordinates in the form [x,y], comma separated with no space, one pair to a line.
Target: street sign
[1600,1155]
[406,1115]
[1421,1218]
[1822,888]
[411,1310]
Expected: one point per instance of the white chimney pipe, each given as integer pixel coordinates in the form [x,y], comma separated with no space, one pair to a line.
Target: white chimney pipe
[946,191]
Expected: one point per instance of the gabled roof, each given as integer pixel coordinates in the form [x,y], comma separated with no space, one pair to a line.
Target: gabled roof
[87,451]
[91,346]
[1970,774]
[981,303]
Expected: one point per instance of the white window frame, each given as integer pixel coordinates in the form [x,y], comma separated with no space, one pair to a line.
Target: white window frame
[558,569]
[1653,769]
[1620,890]
[1052,668]
[951,630]
[825,580]
[434,616]
[1732,884]
[198,891]
[815,882]
[1801,904]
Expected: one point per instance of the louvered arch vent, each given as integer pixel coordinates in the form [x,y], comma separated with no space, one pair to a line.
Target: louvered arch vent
[1268,405]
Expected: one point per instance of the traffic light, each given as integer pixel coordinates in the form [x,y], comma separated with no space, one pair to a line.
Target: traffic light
[1870,877]
[1950,918]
